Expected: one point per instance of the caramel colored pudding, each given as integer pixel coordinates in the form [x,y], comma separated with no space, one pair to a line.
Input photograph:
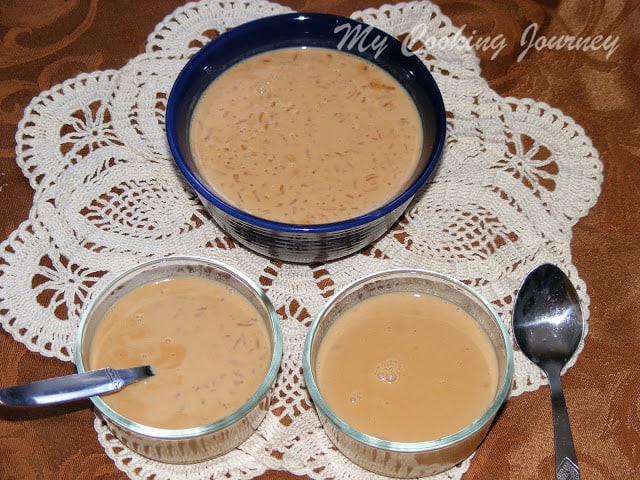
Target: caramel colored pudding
[206,343]
[306,136]
[407,367]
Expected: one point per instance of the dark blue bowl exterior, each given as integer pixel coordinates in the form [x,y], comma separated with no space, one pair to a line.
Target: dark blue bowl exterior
[304,243]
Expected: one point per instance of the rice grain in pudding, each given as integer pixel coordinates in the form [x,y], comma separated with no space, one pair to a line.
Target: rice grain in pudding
[306,136]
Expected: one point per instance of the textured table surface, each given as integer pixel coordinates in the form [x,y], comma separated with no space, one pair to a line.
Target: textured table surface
[42,43]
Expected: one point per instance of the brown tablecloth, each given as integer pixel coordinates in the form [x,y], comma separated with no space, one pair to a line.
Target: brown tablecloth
[45,42]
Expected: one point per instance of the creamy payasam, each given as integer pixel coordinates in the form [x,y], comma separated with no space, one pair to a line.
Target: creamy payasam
[206,343]
[306,136]
[407,367]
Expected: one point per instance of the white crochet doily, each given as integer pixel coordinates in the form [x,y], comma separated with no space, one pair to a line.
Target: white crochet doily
[514,178]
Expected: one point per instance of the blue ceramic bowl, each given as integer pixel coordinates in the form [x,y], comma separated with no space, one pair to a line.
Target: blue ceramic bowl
[295,242]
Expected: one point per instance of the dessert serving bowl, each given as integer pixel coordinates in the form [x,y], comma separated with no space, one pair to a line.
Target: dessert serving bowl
[213,341]
[303,233]
[407,370]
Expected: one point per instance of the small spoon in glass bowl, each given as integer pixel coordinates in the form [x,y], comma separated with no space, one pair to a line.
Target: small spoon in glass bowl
[67,388]
[548,326]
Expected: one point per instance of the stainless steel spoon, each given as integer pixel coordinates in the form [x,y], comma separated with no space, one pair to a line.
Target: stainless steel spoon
[71,387]
[548,326]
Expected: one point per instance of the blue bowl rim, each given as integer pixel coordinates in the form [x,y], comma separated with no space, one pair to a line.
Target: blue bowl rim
[255,26]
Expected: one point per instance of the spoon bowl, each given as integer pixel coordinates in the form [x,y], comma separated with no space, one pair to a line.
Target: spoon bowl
[548,327]
[547,319]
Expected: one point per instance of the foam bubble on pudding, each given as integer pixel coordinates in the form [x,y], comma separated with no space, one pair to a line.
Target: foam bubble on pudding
[207,344]
[388,370]
[306,136]
[407,367]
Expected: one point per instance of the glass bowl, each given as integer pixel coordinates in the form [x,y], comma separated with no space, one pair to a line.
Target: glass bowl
[198,443]
[416,458]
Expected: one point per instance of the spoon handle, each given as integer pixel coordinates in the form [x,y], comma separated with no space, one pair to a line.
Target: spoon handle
[71,387]
[566,461]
